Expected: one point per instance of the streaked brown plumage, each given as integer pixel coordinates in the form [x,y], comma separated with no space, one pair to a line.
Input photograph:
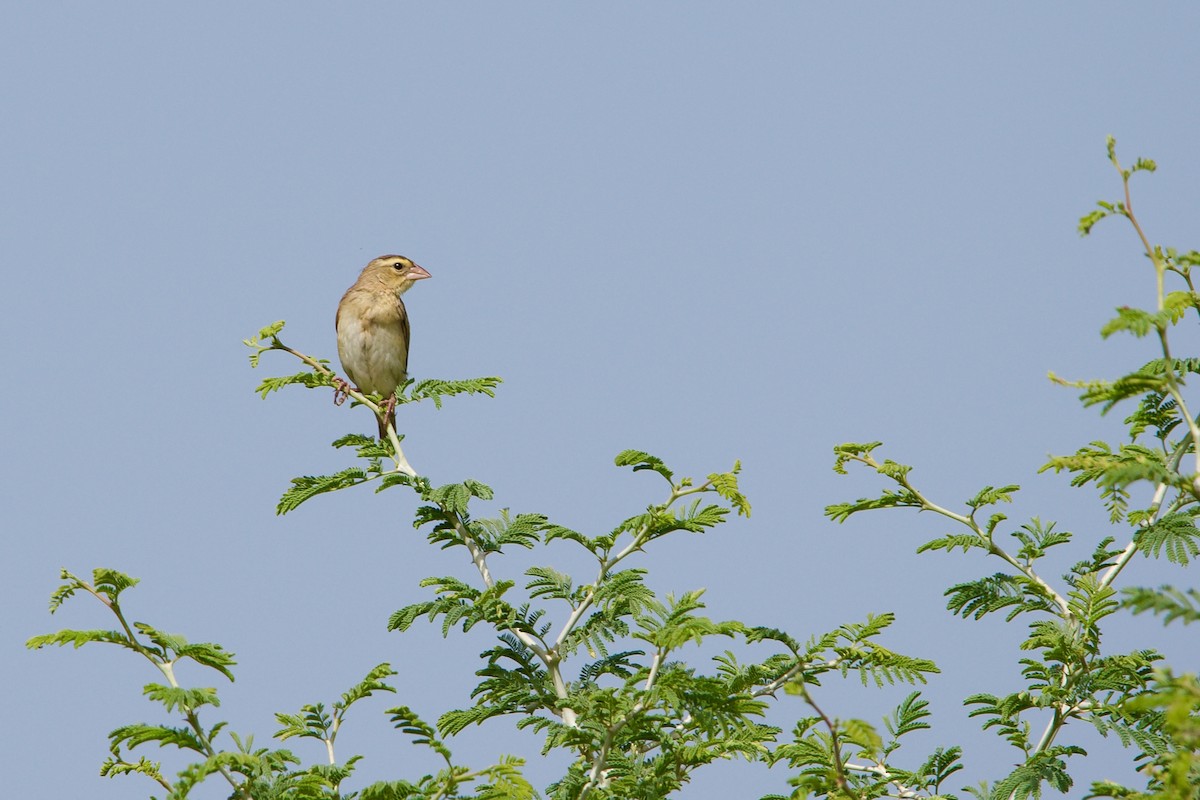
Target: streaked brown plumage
[372,329]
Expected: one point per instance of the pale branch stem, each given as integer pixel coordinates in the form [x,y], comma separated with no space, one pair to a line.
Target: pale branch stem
[606,564]
[926,503]
[882,771]
[168,671]
[576,614]
[544,654]
[1028,572]
[1157,506]
[795,669]
[466,777]
[335,725]
[402,464]
[478,557]
[993,548]
[1177,395]
[655,665]
[1160,273]
[1057,720]
[456,780]
[1127,554]
[550,656]
[596,773]
[1060,716]
[777,684]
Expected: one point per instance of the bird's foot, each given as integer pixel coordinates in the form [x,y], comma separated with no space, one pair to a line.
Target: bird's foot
[341,390]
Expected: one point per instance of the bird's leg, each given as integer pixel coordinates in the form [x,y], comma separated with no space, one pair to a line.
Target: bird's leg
[389,415]
[341,390]
[389,409]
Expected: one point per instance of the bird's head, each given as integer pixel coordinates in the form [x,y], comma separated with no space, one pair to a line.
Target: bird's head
[395,273]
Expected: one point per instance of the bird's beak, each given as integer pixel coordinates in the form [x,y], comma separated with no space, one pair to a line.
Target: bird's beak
[418,272]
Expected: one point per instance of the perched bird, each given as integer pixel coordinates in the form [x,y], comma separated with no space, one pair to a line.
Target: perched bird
[373,332]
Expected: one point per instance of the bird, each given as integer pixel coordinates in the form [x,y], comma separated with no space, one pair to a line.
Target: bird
[373,329]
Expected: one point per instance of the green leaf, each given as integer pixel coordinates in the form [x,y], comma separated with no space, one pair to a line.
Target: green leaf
[1089,220]
[307,487]
[132,736]
[888,498]
[269,332]
[210,655]
[909,716]
[549,582]
[78,639]
[436,390]
[176,698]
[726,485]
[851,451]
[639,460]
[1142,323]
[307,379]
[407,720]
[991,495]
[1174,533]
[373,682]
[110,582]
[1173,604]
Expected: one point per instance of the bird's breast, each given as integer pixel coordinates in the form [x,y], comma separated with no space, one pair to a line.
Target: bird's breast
[374,354]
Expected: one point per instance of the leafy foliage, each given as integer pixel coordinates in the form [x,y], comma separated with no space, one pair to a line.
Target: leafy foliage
[1066,671]
[604,667]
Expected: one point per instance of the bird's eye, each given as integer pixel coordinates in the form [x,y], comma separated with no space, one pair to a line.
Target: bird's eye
[399,265]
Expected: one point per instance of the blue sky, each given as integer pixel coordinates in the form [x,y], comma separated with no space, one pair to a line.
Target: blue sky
[710,231]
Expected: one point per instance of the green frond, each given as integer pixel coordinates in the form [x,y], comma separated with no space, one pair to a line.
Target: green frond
[1036,538]
[375,681]
[175,698]
[454,497]
[1089,220]
[307,487]
[552,532]
[143,766]
[640,460]
[308,379]
[524,530]
[966,541]
[110,582]
[1135,321]
[78,639]
[1174,533]
[617,664]
[1173,604]
[889,498]
[549,582]
[423,734]
[435,390]
[909,716]
[851,451]
[454,722]
[207,654]
[726,485]
[991,495]
[1046,767]
[131,736]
